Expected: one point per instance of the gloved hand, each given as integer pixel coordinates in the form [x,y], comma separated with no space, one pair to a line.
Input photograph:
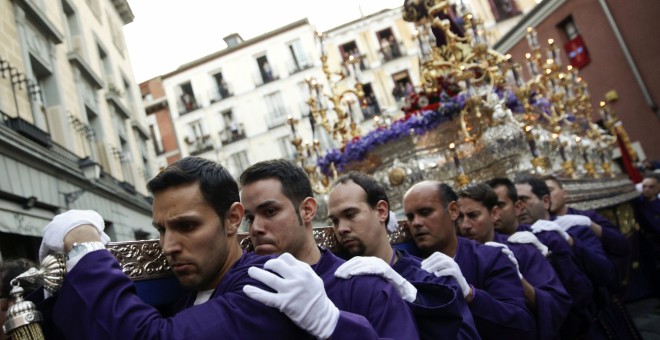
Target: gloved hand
[568,221]
[300,294]
[62,224]
[370,265]
[440,264]
[528,237]
[506,251]
[393,224]
[545,225]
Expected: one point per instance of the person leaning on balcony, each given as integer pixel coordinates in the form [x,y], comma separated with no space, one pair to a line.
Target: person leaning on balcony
[197,213]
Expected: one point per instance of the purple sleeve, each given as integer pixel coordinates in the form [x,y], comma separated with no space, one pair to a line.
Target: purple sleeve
[440,310]
[353,325]
[498,305]
[552,300]
[381,305]
[614,242]
[97,301]
[589,251]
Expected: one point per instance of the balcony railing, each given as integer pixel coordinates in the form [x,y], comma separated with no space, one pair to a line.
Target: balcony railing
[295,67]
[228,136]
[262,79]
[220,93]
[28,130]
[394,51]
[371,110]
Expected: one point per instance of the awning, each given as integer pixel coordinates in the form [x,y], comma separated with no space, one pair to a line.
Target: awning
[27,222]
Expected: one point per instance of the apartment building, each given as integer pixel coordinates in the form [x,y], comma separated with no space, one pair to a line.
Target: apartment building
[73,132]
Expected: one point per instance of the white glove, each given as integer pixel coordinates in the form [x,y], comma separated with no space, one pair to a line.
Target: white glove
[393,224]
[62,224]
[545,225]
[300,294]
[506,251]
[371,265]
[528,237]
[568,221]
[440,264]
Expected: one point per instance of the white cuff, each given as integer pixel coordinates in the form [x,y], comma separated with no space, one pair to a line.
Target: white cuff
[79,250]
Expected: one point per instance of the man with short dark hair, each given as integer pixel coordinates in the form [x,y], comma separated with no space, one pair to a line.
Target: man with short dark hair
[647,213]
[489,281]
[562,259]
[279,208]
[535,196]
[197,213]
[544,292]
[358,209]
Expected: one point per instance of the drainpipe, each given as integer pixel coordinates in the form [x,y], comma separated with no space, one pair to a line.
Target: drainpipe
[631,62]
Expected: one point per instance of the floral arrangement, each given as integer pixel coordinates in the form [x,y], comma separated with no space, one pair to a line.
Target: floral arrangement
[416,122]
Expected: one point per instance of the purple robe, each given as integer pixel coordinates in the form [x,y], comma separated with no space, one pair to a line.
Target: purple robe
[98,301]
[440,310]
[369,296]
[648,215]
[498,306]
[589,251]
[552,300]
[575,281]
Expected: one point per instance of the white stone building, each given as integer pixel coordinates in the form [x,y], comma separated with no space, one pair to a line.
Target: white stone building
[69,104]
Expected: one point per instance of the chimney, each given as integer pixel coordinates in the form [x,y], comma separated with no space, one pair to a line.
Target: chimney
[233,39]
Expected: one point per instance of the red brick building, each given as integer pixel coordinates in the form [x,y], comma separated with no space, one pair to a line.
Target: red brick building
[159,119]
[616,45]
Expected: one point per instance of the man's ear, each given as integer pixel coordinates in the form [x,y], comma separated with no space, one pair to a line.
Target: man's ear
[383,210]
[234,217]
[517,207]
[308,209]
[495,213]
[546,202]
[453,210]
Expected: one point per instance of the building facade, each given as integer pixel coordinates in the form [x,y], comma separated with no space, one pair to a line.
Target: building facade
[73,126]
[613,45]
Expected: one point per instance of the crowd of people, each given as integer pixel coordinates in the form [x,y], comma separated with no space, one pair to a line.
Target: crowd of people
[496,260]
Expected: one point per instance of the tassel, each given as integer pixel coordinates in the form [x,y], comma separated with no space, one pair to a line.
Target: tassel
[23,317]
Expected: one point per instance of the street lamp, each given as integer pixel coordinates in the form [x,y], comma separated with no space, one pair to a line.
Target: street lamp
[92,171]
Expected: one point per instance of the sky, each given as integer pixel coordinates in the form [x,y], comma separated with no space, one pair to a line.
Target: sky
[168,33]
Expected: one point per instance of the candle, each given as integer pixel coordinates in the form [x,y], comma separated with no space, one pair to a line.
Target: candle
[292,122]
[530,141]
[454,154]
[532,39]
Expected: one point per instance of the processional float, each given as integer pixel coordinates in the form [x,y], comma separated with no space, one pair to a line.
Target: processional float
[476,115]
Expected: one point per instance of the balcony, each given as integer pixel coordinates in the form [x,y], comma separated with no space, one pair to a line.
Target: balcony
[295,67]
[276,116]
[394,51]
[199,144]
[220,93]
[371,110]
[29,131]
[188,104]
[229,135]
[262,78]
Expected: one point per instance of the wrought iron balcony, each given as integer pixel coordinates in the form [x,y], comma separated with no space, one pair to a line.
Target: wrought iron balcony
[29,131]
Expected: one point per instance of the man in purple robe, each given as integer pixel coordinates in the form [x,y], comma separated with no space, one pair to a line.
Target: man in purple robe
[489,281]
[197,213]
[544,293]
[280,208]
[535,195]
[647,213]
[613,316]
[358,208]
[562,259]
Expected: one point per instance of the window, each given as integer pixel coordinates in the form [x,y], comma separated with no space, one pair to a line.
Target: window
[156,139]
[187,101]
[503,9]
[371,107]
[221,88]
[106,65]
[299,60]
[286,148]
[265,70]
[240,161]
[276,112]
[350,49]
[390,48]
